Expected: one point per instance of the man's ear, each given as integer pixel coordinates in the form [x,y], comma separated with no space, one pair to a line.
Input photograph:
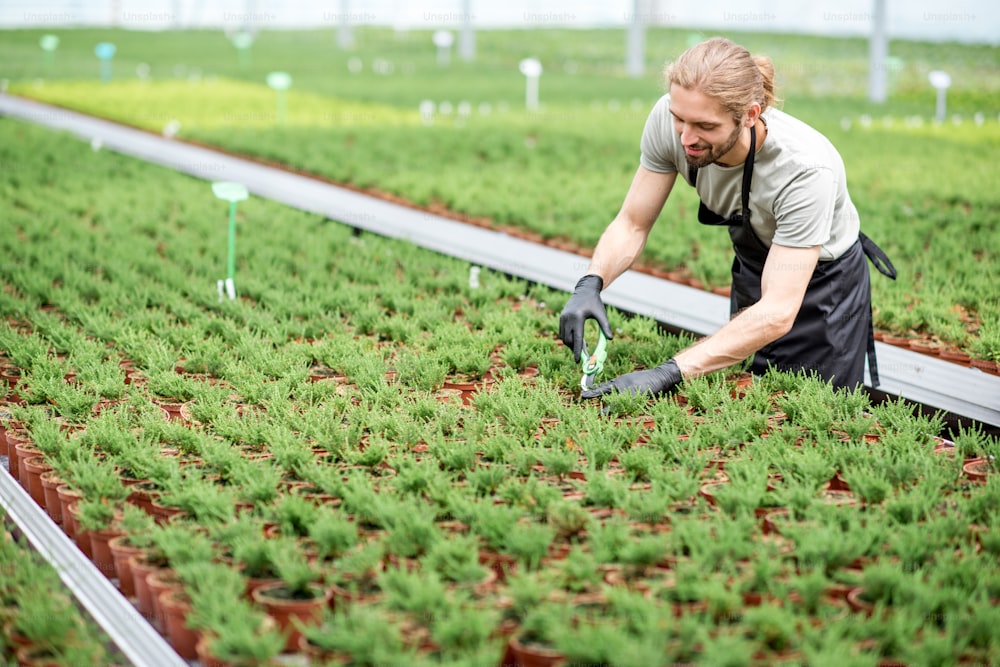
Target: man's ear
[753,113]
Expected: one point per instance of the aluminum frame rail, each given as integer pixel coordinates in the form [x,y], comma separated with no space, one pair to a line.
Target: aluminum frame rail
[135,638]
[935,383]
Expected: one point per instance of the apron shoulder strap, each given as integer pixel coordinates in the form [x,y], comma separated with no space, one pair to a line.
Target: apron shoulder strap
[748,173]
[877,256]
[747,177]
[870,351]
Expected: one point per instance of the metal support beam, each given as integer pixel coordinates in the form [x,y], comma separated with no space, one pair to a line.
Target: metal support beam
[137,640]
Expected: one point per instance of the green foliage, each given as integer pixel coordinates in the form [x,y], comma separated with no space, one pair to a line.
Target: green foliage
[364,633]
[456,559]
[130,279]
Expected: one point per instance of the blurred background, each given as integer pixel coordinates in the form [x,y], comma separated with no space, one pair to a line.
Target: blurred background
[962,20]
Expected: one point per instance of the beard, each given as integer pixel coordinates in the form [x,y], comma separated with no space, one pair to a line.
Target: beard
[714,152]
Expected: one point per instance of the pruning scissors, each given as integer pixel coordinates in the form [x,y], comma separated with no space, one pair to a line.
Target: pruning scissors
[593,363]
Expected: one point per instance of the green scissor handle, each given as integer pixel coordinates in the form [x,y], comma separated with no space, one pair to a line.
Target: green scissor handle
[593,363]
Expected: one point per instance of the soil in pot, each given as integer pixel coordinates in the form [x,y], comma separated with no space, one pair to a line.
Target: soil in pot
[976,469]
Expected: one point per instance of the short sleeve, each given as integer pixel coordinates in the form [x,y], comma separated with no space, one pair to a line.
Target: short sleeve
[657,154]
[803,210]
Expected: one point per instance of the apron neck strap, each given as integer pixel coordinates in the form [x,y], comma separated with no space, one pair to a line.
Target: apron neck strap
[748,172]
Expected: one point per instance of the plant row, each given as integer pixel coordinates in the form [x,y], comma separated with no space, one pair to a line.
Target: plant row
[502,168]
[40,622]
[304,436]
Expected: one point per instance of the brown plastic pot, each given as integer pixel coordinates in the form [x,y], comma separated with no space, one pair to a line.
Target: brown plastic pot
[283,609]
[176,606]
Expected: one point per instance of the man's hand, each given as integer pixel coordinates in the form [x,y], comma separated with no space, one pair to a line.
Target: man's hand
[654,381]
[585,304]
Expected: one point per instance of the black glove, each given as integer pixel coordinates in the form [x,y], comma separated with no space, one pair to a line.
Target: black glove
[654,381]
[583,305]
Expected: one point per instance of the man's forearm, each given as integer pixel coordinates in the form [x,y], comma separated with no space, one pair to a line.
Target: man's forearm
[619,246]
[739,338]
[784,282]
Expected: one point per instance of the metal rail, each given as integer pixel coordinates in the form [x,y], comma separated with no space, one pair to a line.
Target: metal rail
[935,383]
[137,640]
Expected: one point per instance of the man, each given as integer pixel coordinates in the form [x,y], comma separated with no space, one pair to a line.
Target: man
[800,296]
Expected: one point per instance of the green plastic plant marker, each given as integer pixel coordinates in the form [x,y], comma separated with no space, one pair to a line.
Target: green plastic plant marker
[593,363]
[49,44]
[231,192]
[243,41]
[105,51]
[280,82]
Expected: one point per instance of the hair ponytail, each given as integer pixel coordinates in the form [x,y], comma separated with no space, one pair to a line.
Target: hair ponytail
[726,71]
[766,69]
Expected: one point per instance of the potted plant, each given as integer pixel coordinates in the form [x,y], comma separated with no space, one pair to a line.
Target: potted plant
[529,542]
[137,529]
[409,533]
[639,554]
[180,619]
[579,573]
[456,559]
[881,583]
[292,515]
[357,575]
[96,520]
[253,556]
[362,634]
[568,519]
[535,642]
[299,597]
[333,534]
[464,631]
[241,636]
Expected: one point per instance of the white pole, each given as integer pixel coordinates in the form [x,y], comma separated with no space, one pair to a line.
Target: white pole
[635,46]
[878,51]
[443,39]
[532,70]
[941,82]
[467,38]
[345,34]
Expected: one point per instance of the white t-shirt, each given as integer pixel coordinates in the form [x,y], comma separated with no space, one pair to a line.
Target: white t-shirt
[798,195]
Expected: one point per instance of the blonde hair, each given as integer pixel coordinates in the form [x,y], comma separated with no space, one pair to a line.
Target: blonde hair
[726,71]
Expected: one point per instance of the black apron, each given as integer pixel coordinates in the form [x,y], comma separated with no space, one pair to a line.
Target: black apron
[833,330]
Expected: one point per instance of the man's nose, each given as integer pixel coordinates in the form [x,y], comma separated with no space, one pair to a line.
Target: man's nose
[688,137]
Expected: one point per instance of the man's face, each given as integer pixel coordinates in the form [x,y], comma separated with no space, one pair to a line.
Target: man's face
[708,133]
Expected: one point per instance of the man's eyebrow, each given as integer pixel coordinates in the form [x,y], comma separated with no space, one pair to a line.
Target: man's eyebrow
[697,122]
